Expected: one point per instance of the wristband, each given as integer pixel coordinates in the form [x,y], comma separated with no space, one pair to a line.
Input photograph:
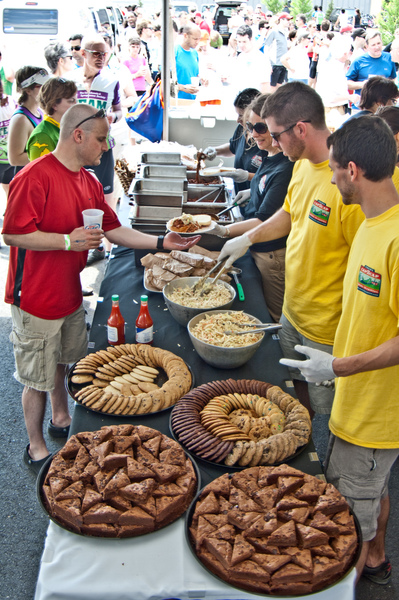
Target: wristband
[227,232]
[67,241]
[160,242]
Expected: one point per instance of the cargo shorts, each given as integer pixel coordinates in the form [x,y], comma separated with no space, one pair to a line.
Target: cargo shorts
[41,344]
[362,476]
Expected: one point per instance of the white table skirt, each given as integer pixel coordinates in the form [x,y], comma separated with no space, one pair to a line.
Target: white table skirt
[151,567]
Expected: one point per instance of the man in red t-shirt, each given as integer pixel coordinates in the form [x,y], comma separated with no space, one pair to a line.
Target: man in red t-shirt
[198,20]
[44,225]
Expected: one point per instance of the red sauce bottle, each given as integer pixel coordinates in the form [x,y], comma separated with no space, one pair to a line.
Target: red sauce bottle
[116,324]
[144,324]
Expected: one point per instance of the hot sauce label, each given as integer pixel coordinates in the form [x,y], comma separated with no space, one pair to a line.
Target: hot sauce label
[369,282]
[320,213]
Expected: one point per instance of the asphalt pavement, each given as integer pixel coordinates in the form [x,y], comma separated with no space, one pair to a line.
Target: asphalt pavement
[23,525]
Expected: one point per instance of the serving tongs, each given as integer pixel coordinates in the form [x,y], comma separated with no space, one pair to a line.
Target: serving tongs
[259,327]
[200,285]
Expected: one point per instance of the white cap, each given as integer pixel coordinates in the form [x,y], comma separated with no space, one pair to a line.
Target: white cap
[38,78]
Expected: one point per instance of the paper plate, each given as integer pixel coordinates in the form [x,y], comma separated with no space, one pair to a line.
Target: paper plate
[199,231]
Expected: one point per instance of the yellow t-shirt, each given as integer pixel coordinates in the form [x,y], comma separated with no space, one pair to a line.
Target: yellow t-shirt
[366,405]
[322,230]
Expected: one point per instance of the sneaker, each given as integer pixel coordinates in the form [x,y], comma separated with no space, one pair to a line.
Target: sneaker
[381,574]
[95,255]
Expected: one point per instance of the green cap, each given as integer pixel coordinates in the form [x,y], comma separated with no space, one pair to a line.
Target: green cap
[115,298]
[144,298]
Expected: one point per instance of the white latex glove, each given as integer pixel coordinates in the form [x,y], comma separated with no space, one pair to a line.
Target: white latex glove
[317,368]
[234,249]
[210,153]
[239,175]
[219,230]
[242,197]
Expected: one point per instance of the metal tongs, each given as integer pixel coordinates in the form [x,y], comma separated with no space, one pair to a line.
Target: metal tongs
[200,285]
[258,328]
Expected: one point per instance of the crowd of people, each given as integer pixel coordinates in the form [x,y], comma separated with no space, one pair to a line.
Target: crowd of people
[316,154]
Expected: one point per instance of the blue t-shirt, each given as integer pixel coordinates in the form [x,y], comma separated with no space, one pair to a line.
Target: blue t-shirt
[187,66]
[268,190]
[245,156]
[364,66]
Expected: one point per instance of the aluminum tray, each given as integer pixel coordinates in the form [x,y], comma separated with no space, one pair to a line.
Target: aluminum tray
[161,158]
[155,197]
[159,171]
[209,193]
[155,213]
[169,185]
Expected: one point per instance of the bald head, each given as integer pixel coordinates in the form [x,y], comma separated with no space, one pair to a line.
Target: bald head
[73,116]
[192,37]
[90,41]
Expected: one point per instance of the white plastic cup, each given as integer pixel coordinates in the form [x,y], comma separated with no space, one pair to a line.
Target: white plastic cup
[195,81]
[92,218]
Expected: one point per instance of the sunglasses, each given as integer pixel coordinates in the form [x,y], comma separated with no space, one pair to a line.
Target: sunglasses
[77,48]
[98,115]
[96,53]
[276,136]
[258,127]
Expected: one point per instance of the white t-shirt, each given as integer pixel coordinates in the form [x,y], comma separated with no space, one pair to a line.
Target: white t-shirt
[250,69]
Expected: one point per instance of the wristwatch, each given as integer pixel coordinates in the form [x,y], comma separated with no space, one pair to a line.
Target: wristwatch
[160,242]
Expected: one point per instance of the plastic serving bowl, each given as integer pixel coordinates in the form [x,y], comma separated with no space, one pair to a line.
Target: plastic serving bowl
[218,356]
[183,314]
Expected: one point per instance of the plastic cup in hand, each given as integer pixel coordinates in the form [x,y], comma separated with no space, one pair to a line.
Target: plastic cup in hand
[195,81]
[92,218]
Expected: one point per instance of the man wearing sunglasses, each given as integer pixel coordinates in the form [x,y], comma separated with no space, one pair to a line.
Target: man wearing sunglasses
[320,230]
[99,87]
[76,49]
[44,226]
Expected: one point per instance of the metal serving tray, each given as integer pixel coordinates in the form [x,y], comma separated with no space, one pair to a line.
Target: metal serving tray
[205,194]
[159,171]
[155,213]
[147,197]
[161,158]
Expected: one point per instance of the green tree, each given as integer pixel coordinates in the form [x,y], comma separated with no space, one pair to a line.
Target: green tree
[388,19]
[275,6]
[330,8]
[302,7]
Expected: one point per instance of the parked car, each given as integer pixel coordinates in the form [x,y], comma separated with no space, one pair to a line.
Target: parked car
[222,15]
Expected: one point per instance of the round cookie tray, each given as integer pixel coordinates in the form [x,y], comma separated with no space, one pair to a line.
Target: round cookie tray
[42,476]
[188,519]
[186,411]
[72,388]
[221,465]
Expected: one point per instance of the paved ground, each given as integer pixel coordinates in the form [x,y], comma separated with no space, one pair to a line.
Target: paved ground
[22,523]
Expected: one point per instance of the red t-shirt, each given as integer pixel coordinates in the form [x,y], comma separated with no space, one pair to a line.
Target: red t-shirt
[46,196]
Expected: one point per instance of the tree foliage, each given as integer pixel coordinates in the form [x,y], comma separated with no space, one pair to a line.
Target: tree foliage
[388,20]
[275,6]
[302,7]
[330,8]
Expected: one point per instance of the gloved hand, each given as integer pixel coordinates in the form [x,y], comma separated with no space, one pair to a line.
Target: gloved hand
[317,368]
[210,153]
[219,230]
[242,197]
[238,175]
[234,249]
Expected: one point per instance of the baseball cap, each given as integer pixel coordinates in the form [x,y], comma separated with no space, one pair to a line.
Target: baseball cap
[197,14]
[269,13]
[359,32]
[346,29]
[38,78]
[284,15]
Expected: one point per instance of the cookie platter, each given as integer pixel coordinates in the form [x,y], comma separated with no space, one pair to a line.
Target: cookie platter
[130,379]
[241,423]
[273,531]
[120,481]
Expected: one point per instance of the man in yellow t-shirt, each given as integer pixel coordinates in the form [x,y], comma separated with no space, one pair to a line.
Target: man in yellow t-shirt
[320,228]
[365,440]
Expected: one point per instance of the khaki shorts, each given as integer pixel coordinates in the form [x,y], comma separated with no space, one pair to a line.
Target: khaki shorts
[362,476]
[272,269]
[41,344]
[321,398]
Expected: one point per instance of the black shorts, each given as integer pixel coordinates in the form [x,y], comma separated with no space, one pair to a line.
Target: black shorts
[279,75]
[105,171]
[313,69]
[6,173]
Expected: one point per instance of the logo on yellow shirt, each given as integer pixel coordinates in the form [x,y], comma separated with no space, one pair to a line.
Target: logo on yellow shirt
[320,213]
[369,281]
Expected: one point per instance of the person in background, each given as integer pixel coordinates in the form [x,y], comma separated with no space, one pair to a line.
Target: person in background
[43,224]
[202,24]
[359,42]
[187,62]
[138,66]
[390,114]
[376,92]
[364,440]
[342,20]
[276,42]
[266,195]
[7,107]
[56,96]
[300,23]
[145,32]
[59,59]
[7,73]
[331,82]
[28,115]
[130,25]
[357,22]
[296,60]
[76,49]
[251,68]
[246,154]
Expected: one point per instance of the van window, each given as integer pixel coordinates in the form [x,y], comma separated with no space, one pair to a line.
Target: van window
[28,21]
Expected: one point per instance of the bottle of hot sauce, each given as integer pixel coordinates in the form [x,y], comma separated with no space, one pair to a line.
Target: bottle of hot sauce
[116,324]
[144,324]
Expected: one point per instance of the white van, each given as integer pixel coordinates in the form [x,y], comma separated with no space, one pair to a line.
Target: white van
[27,27]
